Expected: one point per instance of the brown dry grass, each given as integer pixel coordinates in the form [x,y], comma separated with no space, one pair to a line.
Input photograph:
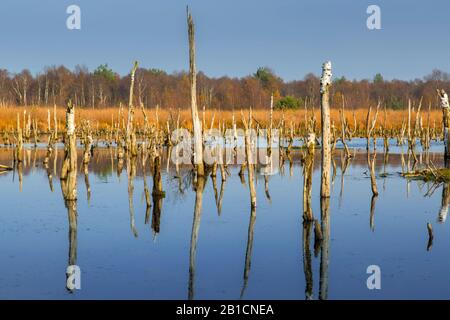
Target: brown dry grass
[102,118]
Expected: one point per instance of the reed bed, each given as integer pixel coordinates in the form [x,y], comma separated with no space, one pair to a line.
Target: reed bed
[101,119]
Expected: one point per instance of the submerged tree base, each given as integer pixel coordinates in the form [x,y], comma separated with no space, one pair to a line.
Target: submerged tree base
[438,175]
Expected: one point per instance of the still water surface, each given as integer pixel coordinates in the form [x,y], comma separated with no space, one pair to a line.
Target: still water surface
[140,254]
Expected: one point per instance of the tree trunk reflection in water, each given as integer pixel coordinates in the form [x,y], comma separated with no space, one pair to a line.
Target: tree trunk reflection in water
[443,212]
[345,162]
[248,251]
[86,182]
[325,245]
[158,195]
[199,187]
[307,261]
[71,206]
[372,212]
[131,171]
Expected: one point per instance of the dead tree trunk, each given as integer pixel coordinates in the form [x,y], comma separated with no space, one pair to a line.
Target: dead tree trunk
[131,133]
[197,127]
[325,84]
[249,156]
[308,170]
[446,123]
[69,167]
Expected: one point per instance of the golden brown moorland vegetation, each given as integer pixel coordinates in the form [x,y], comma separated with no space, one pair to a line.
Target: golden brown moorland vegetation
[102,118]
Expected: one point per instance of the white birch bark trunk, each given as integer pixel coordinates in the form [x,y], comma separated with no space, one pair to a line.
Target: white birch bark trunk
[325,84]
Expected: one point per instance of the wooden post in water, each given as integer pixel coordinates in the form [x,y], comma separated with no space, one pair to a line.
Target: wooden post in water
[196,125]
[69,166]
[325,83]
[446,122]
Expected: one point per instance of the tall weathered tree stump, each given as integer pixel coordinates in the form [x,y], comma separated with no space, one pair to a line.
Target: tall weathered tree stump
[197,127]
[325,83]
[446,122]
[69,166]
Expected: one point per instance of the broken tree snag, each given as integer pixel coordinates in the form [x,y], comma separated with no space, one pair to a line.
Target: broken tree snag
[325,83]
[371,165]
[196,125]
[370,125]
[249,157]
[131,145]
[446,122]
[308,169]
[69,166]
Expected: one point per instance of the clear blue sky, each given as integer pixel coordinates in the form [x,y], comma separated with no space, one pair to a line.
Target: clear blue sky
[234,37]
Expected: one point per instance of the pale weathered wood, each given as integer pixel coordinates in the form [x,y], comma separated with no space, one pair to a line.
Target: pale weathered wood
[131,144]
[249,157]
[445,120]
[325,84]
[197,127]
[69,167]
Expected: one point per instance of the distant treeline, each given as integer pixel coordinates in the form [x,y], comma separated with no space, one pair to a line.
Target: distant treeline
[105,88]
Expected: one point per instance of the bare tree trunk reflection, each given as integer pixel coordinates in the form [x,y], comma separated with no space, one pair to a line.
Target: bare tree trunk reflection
[216,192]
[200,185]
[131,171]
[318,237]
[86,182]
[222,191]
[20,171]
[307,261]
[248,251]
[324,258]
[71,206]
[445,202]
[372,212]
[345,161]
[157,194]
[266,187]
[430,236]
[119,167]
[49,177]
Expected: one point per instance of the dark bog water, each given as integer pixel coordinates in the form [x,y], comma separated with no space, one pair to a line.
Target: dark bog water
[145,254]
